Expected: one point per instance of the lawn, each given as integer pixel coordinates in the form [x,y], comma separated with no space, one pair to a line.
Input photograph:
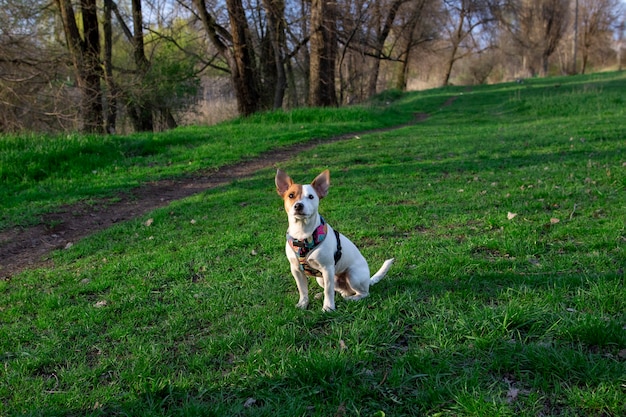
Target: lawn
[505,212]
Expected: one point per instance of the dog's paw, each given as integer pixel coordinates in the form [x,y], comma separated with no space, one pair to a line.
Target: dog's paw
[303,304]
[328,308]
[356,297]
[346,295]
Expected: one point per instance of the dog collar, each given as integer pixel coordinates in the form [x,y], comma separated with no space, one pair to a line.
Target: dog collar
[302,248]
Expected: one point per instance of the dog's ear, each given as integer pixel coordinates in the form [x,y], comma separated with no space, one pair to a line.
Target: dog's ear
[283,182]
[321,184]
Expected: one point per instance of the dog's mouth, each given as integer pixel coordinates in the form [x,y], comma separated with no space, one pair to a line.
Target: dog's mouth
[300,215]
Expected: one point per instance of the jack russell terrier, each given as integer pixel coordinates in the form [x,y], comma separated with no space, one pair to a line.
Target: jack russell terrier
[315,249]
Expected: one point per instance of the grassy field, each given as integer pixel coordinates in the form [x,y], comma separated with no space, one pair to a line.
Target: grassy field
[505,212]
[38,174]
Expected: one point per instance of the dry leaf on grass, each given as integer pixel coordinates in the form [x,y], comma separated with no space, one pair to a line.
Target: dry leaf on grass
[510,215]
[511,395]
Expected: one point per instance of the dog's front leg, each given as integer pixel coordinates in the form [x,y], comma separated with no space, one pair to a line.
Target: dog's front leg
[303,287]
[329,289]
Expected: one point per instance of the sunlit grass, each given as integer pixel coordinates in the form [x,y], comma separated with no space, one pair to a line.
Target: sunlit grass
[41,173]
[507,296]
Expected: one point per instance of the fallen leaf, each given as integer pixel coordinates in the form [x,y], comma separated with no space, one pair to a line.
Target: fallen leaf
[341,410]
[343,345]
[149,222]
[510,215]
[554,220]
[249,402]
[193,221]
[68,245]
[100,304]
[511,395]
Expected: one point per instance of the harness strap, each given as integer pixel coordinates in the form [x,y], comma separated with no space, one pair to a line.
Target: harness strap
[338,252]
[302,248]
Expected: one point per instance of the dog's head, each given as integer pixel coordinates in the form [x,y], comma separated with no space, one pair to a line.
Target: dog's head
[302,201]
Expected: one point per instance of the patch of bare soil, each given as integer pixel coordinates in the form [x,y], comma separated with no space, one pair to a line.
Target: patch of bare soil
[22,248]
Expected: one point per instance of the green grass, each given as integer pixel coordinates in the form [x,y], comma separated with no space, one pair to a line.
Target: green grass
[39,174]
[483,314]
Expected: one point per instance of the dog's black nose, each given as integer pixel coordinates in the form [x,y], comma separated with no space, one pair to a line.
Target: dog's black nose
[298,207]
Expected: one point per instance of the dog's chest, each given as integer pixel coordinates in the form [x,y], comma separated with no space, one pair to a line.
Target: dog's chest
[302,248]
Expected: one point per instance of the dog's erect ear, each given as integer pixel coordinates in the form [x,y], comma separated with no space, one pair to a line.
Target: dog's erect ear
[283,182]
[321,184]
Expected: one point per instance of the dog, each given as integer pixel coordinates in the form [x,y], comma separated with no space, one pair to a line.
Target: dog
[316,249]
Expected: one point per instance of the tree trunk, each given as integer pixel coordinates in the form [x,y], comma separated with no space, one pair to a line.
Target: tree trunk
[243,72]
[380,44]
[142,112]
[276,24]
[240,60]
[111,100]
[323,53]
[85,53]
[455,40]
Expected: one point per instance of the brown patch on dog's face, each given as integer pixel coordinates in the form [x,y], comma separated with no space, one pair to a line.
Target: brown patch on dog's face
[292,195]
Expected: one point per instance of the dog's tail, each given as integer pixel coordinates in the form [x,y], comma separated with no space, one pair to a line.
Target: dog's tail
[381,272]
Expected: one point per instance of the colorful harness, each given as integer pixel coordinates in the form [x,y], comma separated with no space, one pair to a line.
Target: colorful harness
[302,248]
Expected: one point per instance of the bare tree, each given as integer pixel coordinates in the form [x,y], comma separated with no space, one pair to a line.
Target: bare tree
[84,48]
[110,121]
[139,106]
[240,59]
[537,27]
[597,20]
[31,63]
[461,19]
[275,11]
[415,28]
[323,47]
[320,52]
[620,43]
[384,23]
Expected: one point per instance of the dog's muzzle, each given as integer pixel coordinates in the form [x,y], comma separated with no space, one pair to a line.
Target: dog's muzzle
[298,208]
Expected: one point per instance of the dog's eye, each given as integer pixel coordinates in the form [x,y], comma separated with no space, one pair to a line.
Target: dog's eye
[311,196]
[291,195]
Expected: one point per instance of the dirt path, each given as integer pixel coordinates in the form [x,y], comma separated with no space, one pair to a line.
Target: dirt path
[22,248]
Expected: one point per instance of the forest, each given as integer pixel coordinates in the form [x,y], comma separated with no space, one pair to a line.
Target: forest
[113,66]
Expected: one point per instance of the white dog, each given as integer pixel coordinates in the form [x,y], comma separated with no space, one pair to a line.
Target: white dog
[315,249]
